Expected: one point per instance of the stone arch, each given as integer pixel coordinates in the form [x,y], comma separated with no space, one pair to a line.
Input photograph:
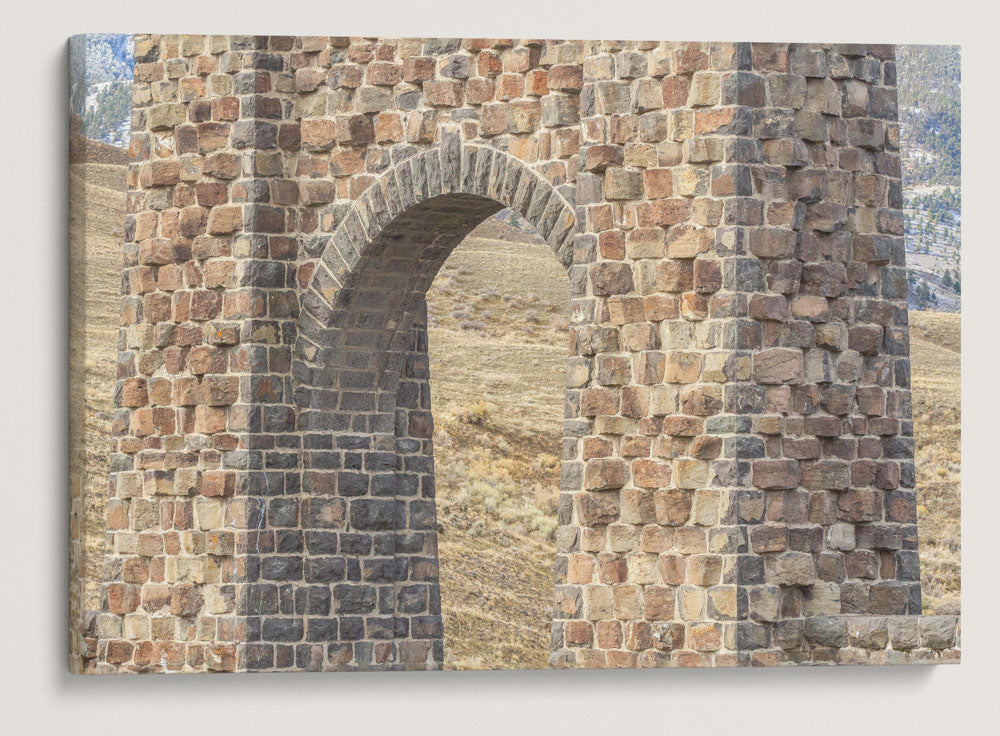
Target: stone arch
[739,326]
[476,171]
[361,391]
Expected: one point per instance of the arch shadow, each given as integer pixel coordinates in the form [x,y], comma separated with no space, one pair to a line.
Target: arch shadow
[362,398]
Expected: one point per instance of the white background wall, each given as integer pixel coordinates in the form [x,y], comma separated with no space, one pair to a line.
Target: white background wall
[37,694]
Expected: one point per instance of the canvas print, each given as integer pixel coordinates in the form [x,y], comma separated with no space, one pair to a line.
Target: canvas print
[432,353]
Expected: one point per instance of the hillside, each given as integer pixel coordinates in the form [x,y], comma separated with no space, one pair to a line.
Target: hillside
[83,150]
[935,356]
[100,85]
[930,125]
[498,349]
[97,212]
[930,114]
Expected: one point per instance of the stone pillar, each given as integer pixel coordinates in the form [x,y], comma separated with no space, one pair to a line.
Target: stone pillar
[737,475]
[652,546]
[206,284]
[749,489]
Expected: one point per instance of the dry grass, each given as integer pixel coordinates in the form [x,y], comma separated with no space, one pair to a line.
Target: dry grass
[96,219]
[497,390]
[935,345]
[497,344]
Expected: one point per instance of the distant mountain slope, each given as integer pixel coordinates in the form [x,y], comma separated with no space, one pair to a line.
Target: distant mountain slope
[929,84]
[930,114]
[101,66]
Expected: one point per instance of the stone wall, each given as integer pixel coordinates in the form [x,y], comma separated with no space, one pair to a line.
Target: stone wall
[737,470]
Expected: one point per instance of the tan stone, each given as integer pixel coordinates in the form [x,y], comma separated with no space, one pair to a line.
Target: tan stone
[689,473]
[779,365]
[682,367]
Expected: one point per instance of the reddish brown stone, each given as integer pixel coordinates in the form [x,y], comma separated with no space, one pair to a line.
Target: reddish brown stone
[775,474]
[605,474]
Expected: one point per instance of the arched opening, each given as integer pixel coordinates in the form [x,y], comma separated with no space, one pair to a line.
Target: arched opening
[368,558]
[497,338]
